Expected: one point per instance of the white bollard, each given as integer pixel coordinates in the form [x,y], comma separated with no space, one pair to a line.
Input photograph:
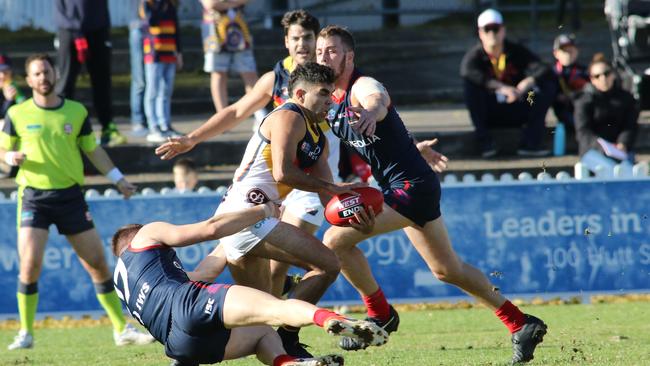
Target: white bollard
[204,190]
[602,171]
[450,179]
[148,191]
[469,178]
[487,178]
[524,176]
[580,171]
[111,193]
[640,169]
[167,191]
[13,195]
[623,170]
[2,196]
[544,176]
[563,176]
[221,190]
[91,193]
[506,177]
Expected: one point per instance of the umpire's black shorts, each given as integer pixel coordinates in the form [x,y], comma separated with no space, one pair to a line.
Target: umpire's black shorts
[66,208]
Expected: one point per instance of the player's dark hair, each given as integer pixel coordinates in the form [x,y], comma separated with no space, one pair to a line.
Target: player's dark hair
[341,32]
[37,57]
[302,18]
[312,73]
[186,163]
[123,237]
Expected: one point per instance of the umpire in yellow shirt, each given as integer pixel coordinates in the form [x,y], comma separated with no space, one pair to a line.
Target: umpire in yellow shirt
[44,137]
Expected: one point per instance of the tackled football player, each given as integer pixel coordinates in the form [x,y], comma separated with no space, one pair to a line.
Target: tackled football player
[363,116]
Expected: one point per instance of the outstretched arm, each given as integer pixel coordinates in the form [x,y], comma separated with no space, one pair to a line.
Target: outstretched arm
[223,120]
[370,100]
[213,228]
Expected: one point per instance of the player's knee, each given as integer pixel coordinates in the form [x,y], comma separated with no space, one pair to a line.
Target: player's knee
[337,240]
[449,273]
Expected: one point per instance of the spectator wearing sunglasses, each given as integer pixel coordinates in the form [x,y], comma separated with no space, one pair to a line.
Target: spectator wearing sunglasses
[606,118]
[505,85]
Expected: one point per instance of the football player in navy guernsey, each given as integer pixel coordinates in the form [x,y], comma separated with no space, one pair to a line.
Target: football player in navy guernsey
[363,116]
[200,322]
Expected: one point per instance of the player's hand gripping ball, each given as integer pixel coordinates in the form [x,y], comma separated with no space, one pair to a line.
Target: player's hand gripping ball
[341,208]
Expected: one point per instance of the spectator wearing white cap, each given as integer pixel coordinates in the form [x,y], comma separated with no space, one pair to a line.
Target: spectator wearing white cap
[498,78]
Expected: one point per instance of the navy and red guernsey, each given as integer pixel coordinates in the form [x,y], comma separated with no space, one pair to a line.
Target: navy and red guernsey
[145,280]
[390,151]
[409,185]
[282,71]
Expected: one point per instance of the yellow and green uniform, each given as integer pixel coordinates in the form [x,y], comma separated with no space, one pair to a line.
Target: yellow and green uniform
[52,139]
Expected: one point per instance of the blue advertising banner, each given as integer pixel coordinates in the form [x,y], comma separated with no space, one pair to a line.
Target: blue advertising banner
[530,238]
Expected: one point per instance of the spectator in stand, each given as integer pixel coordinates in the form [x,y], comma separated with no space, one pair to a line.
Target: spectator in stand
[605,118]
[571,77]
[10,94]
[162,56]
[186,176]
[505,85]
[139,127]
[84,38]
[227,46]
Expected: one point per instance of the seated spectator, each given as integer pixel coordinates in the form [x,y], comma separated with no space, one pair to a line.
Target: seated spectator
[605,118]
[10,93]
[186,176]
[571,77]
[505,85]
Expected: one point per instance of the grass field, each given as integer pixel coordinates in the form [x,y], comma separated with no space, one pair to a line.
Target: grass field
[597,334]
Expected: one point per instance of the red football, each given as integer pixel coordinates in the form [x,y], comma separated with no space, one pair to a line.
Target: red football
[341,208]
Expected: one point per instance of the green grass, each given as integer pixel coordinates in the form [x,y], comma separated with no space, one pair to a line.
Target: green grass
[598,334]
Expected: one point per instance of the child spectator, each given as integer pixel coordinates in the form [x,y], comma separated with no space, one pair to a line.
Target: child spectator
[186,176]
[162,57]
[571,77]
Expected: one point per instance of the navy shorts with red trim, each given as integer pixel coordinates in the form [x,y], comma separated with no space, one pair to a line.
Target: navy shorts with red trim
[197,333]
[417,199]
[66,208]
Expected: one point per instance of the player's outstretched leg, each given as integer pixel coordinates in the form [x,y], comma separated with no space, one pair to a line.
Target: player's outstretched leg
[362,331]
[389,326]
[526,339]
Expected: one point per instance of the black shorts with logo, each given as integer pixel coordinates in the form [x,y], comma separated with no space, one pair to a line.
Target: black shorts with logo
[417,199]
[197,333]
[66,208]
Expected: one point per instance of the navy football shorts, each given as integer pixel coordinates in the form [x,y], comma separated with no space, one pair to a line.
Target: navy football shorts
[417,199]
[197,333]
[66,208]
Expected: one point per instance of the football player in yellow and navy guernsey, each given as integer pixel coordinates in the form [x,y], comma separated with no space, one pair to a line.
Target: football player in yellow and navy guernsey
[44,136]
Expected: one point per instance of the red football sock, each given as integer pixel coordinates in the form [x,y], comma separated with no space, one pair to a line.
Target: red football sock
[377,306]
[280,360]
[321,316]
[511,316]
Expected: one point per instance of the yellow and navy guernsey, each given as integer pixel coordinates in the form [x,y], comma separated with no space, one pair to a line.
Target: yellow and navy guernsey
[256,169]
[162,41]
[52,139]
[282,70]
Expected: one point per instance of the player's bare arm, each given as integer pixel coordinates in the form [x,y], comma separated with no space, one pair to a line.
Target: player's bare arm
[285,129]
[370,100]
[99,158]
[223,120]
[213,228]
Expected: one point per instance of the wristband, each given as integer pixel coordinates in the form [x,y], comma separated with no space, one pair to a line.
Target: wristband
[10,157]
[115,175]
